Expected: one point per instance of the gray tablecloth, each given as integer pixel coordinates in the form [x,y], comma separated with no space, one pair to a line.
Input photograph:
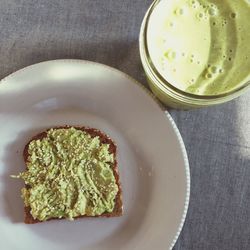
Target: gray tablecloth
[217,139]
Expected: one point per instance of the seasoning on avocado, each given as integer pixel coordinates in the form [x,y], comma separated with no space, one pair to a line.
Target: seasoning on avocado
[69,174]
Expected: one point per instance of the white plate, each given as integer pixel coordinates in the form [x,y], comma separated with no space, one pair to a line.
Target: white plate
[152,159]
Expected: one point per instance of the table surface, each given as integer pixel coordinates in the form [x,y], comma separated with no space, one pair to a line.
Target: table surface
[217,139]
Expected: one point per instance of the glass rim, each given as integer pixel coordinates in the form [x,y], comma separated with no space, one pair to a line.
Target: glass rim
[163,82]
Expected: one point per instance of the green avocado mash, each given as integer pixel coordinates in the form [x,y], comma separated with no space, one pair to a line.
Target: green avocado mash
[69,174]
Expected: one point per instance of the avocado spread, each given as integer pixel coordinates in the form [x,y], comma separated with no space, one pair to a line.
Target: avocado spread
[69,174]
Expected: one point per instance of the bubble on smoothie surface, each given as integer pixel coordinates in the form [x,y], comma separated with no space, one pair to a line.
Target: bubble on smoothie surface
[194,4]
[200,15]
[212,11]
[170,54]
[233,15]
[171,24]
[214,69]
[179,11]
[208,75]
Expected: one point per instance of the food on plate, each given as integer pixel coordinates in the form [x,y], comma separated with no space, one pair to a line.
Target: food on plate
[71,172]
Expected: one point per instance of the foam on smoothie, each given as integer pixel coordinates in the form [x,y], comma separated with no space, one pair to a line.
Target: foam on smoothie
[201,46]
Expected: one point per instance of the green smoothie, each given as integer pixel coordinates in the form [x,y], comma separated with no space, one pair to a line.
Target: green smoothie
[69,174]
[201,46]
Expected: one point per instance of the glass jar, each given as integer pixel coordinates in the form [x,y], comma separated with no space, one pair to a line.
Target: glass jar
[169,94]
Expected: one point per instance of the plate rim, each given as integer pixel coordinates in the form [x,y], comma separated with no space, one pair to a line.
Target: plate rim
[160,105]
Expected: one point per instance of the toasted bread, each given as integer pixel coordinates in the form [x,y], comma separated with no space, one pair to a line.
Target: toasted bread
[118,208]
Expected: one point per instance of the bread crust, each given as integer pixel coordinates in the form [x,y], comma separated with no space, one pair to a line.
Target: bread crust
[118,209]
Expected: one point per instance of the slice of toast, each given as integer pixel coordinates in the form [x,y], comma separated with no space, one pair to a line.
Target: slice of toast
[118,208]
